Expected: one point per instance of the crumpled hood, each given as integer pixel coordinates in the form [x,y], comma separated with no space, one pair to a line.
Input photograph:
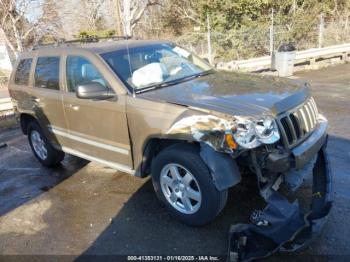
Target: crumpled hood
[235,93]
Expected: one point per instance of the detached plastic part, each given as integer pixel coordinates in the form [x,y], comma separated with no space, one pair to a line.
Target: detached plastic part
[287,228]
[223,168]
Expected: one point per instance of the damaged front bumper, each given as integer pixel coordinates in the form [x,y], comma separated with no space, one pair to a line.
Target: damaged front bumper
[282,226]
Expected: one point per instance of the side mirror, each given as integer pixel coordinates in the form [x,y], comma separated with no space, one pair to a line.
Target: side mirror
[93,90]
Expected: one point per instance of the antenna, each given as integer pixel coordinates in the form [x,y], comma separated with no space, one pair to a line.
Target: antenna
[128,53]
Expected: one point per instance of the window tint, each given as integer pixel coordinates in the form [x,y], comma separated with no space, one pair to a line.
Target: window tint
[23,72]
[81,71]
[47,73]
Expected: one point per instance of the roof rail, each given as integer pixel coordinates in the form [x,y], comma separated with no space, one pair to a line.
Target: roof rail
[84,40]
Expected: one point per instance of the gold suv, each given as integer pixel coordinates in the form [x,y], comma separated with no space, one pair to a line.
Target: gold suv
[154,108]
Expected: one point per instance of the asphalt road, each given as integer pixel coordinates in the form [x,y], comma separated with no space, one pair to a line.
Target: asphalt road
[82,208]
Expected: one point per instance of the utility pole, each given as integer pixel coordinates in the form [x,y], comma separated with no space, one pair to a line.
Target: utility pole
[294,6]
[210,57]
[321,31]
[271,32]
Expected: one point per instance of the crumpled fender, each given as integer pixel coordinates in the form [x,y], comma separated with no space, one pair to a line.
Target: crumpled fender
[223,168]
[208,129]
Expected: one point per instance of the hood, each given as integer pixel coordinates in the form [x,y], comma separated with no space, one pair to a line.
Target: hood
[234,93]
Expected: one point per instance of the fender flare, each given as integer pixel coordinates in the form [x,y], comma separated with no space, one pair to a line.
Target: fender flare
[223,168]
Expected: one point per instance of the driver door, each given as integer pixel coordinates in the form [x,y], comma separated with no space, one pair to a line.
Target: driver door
[97,129]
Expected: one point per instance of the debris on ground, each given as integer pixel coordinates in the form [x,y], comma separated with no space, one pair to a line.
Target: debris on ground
[282,226]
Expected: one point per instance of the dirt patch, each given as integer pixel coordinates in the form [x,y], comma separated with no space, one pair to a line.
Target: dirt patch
[7,122]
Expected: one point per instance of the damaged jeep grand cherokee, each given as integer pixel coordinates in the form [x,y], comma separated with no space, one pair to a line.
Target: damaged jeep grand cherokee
[153,108]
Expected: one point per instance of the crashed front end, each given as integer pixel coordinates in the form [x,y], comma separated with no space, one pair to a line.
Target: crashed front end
[283,151]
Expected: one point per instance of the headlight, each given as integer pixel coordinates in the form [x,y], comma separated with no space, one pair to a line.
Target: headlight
[251,133]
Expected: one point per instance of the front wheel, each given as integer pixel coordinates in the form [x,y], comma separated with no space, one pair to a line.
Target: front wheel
[184,184]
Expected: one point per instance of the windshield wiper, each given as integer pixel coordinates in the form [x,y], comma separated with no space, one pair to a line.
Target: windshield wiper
[174,82]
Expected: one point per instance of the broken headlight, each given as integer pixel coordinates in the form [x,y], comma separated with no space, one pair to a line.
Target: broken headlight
[251,133]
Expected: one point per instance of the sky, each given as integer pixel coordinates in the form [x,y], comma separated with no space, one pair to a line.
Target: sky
[32,8]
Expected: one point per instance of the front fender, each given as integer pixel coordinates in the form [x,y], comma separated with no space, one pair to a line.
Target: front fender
[223,168]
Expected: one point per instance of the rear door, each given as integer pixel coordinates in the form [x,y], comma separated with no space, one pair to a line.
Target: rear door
[47,94]
[98,129]
[20,84]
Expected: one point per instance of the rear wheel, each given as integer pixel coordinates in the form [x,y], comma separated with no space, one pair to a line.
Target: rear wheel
[41,147]
[184,184]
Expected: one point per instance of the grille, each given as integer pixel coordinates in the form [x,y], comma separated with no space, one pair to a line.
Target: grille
[298,123]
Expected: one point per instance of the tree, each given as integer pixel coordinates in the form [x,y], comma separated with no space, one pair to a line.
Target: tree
[92,13]
[131,12]
[50,23]
[16,27]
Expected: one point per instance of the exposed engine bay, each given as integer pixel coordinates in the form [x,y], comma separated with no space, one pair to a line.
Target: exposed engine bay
[281,152]
[282,226]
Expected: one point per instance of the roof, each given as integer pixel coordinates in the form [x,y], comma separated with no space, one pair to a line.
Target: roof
[106,46]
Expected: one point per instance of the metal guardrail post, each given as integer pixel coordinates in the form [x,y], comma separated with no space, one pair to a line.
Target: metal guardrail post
[321,32]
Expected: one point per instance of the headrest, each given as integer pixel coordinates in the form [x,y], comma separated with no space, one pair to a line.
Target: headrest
[90,72]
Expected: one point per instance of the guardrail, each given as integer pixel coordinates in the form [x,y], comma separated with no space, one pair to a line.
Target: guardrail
[5,105]
[310,56]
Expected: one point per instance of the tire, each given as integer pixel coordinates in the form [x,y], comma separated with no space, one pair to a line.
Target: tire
[185,158]
[49,156]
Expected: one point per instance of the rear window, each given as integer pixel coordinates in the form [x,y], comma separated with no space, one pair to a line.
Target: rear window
[47,73]
[23,72]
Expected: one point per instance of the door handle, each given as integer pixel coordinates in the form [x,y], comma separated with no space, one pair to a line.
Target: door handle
[74,107]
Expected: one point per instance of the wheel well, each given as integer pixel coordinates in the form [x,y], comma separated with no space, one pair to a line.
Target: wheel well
[152,149]
[25,119]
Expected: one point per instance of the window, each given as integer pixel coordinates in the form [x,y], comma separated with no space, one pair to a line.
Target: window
[47,73]
[23,72]
[81,71]
[144,67]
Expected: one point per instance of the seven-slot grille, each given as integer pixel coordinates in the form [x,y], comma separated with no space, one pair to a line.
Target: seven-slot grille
[297,124]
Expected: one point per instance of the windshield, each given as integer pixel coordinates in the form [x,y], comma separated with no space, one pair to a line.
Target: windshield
[154,65]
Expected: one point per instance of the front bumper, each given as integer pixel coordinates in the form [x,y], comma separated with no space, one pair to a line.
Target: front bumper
[286,228]
[299,156]
[308,149]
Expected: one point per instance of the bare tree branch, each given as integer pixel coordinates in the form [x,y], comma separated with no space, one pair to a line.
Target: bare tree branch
[14,23]
[132,12]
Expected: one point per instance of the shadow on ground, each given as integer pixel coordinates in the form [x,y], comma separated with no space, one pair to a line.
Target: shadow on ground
[143,227]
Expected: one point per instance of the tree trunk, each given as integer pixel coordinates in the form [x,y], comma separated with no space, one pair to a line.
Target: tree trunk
[118,18]
[127,18]
[9,44]
[16,34]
